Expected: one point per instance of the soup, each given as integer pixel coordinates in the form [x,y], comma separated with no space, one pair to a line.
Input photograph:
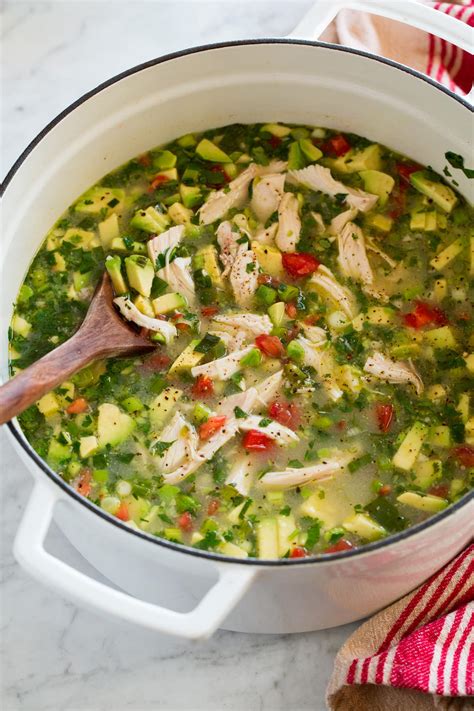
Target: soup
[308,294]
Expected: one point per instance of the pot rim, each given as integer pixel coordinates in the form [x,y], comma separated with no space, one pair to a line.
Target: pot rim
[13,425]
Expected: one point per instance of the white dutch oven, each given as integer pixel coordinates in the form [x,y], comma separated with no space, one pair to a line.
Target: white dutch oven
[248,81]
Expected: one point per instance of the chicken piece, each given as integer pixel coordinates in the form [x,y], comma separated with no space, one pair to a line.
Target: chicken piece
[352,255]
[233,339]
[319,357]
[267,235]
[241,475]
[324,283]
[266,195]
[244,276]
[165,241]
[177,275]
[234,195]
[227,241]
[397,372]
[316,177]
[184,441]
[222,368]
[131,313]
[289,223]
[269,388]
[252,324]
[275,166]
[373,247]
[281,434]
[315,334]
[324,470]
[340,221]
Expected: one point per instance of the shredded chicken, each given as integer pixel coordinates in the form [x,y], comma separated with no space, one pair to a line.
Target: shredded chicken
[324,470]
[324,282]
[222,368]
[241,474]
[352,255]
[340,221]
[275,166]
[316,177]
[269,388]
[233,339]
[184,441]
[244,276]
[227,241]
[266,195]
[234,195]
[319,357]
[289,223]
[131,313]
[165,241]
[252,324]
[177,275]
[266,235]
[398,372]
[281,434]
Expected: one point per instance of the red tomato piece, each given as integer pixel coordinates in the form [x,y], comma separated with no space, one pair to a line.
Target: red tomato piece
[157,181]
[268,280]
[299,264]
[385,415]
[185,521]
[291,310]
[270,346]
[255,441]
[311,319]
[298,552]
[385,490]
[77,406]
[158,361]
[182,326]
[213,507]
[84,486]
[213,425]
[405,170]
[439,490]
[341,545]
[208,311]
[286,414]
[464,453]
[122,513]
[274,141]
[337,145]
[424,314]
[203,387]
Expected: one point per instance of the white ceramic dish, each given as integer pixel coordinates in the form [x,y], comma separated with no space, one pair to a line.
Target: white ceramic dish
[249,81]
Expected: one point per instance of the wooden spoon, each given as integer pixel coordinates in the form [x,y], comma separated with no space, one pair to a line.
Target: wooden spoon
[103,334]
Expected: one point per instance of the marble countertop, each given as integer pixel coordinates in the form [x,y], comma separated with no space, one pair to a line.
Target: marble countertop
[55,656]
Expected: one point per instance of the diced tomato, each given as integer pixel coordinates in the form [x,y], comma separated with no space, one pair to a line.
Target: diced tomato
[298,552]
[158,180]
[336,145]
[274,141]
[385,490]
[268,280]
[256,441]
[213,507]
[77,406]
[397,202]
[213,425]
[158,361]
[441,490]
[122,513]
[203,386]
[424,314]
[208,311]
[176,315]
[341,425]
[185,521]
[144,160]
[312,319]
[182,326]
[291,310]
[405,170]
[299,264]
[464,453]
[84,486]
[270,346]
[385,414]
[341,545]
[285,413]
[292,332]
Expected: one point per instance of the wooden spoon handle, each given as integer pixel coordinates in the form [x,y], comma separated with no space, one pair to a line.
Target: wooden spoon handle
[47,373]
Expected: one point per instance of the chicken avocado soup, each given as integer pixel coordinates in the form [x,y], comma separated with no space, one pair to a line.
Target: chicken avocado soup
[308,295]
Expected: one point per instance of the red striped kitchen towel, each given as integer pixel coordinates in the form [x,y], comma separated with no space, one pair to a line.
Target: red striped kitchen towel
[416,654]
[431,55]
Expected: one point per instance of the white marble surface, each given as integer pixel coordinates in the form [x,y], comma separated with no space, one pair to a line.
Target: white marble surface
[54,656]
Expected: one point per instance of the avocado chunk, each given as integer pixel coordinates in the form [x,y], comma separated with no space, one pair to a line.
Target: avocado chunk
[380,222]
[276,129]
[118,245]
[309,150]
[365,527]
[88,446]
[108,230]
[180,214]
[378,183]
[269,259]
[426,502]
[143,304]
[209,151]
[140,273]
[162,406]
[277,313]
[353,162]
[267,538]
[206,258]
[101,200]
[164,160]
[150,220]
[84,239]
[295,157]
[428,221]
[441,194]
[113,425]
[169,302]
[190,195]
[408,451]
[187,359]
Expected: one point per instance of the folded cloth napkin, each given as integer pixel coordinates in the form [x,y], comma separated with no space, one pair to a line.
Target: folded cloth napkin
[416,654]
[431,55]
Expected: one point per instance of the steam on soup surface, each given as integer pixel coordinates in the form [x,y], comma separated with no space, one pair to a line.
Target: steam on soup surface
[308,294]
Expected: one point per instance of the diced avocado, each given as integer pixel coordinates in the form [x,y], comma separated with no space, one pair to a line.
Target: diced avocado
[365,527]
[426,502]
[113,266]
[469,430]
[113,426]
[190,195]
[277,313]
[410,447]
[163,405]
[353,162]
[267,538]
[65,393]
[169,302]
[138,508]
[20,325]
[440,289]
[276,129]
[140,273]
[84,239]
[295,351]
[295,157]
[252,359]
[201,412]
[164,176]
[427,472]
[439,436]
[81,281]
[380,315]
[143,304]
[427,221]
[164,160]
[447,255]
[233,550]
[463,406]
[59,263]
[441,194]
[48,405]
[380,222]
[269,259]
[88,446]
[118,244]
[58,452]
[209,151]
[311,152]
[266,295]
[108,230]
[25,294]
[470,362]
[187,141]
[441,338]
[99,200]
[187,359]
[231,170]
[180,214]
[150,220]
[378,183]
[286,527]
[132,404]
[210,264]
[405,350]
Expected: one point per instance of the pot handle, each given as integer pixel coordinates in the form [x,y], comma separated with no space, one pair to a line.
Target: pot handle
[199,623]
[410,12]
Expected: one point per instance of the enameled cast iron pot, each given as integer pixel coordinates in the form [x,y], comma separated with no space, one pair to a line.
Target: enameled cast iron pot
[246,81]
